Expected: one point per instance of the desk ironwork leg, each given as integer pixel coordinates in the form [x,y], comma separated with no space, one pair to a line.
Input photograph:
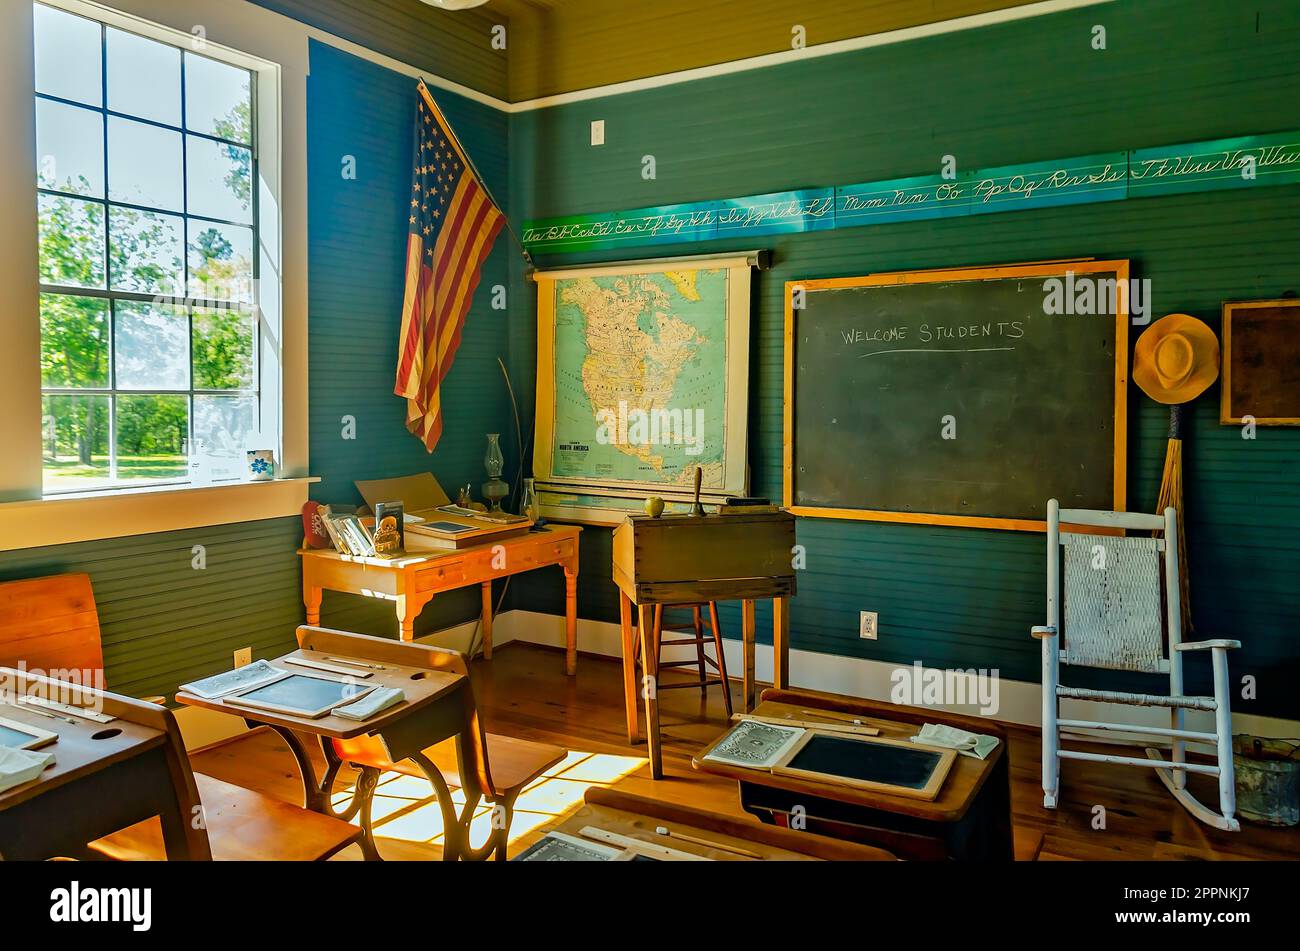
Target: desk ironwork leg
[629,666]
[364,798]
[314,797]
[455,837]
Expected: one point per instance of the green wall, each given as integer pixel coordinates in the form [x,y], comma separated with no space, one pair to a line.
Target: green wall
[1035,89]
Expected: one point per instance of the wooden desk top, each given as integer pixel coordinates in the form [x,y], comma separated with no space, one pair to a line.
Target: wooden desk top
[638,817]
[427,556]
[967,776]
[76,751]
[421,685]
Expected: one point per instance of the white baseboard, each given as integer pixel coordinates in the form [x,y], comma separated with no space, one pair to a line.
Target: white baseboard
[1019,701]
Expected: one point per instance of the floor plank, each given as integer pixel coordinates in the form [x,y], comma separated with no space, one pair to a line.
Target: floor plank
[523,692]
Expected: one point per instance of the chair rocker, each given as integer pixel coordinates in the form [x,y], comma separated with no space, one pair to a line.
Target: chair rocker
[1111,605]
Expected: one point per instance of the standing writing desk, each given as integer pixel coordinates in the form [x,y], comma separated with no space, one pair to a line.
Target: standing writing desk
[438,705]
[969,820]
[683,559]
[412,580]
[105,776]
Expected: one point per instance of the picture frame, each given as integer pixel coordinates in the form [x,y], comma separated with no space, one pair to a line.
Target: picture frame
[301,698]
[36,737]
[1259,379]
[929,791]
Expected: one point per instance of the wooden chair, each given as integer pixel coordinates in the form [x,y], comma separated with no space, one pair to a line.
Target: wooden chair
[697,639]
[50,624]
[242,826]
[1107,613]
[489,766]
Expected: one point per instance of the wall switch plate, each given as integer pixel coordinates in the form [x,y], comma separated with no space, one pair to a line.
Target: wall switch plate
[243,657]
[598,132]
[869,625]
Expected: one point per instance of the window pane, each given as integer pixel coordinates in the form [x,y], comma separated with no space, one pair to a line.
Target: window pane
[146,251]
[151,347]
[69,148]
[144,165]
[74,341]
[74,442]
[218,99]
[68,52]
[225,422]
[72,241]
[150,433]
[221,262]
[144,77]
[223,349]
[219,180]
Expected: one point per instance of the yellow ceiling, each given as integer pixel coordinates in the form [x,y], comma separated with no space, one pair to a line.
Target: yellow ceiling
[558,46]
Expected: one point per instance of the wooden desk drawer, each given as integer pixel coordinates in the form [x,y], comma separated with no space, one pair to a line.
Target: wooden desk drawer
[440,576]
[556,550]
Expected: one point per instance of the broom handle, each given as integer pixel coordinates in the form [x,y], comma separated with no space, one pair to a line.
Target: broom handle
[1177,415]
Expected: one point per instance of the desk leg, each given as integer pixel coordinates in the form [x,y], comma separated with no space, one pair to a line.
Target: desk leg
[487,620]
[409,607]
[650,688]
[629,665]
[313,797]
[311,597]
[455,836]
[747,633]
[781,643]
[571,621]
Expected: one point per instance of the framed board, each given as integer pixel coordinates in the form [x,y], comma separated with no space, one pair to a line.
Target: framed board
[642,375]
[1261,362]
[23,736]
[961,397]
[897,767]
[301,695]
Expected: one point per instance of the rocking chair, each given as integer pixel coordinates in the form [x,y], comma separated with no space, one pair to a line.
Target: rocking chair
[1112,604]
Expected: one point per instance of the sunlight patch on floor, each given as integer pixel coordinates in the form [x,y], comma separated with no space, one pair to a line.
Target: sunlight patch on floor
[405,808]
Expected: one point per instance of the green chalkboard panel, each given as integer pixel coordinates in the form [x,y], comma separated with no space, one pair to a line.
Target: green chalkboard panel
[964,397]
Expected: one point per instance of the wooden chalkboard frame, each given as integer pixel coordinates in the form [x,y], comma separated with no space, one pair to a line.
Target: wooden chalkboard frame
[929,792]
[1033,269]
[1228,415]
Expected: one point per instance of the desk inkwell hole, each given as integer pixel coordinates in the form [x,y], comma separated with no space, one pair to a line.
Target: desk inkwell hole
[419,676]
[106,734]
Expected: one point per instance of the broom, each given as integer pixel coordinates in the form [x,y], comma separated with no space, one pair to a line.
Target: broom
[1171,494]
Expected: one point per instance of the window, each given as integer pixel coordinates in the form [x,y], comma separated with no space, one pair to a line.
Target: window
[147,179]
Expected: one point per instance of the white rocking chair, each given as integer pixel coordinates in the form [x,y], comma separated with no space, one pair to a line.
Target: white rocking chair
[1112,607]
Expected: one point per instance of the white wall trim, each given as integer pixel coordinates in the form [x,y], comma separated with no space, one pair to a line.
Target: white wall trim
[1020,701]
[906,34]
[955,25]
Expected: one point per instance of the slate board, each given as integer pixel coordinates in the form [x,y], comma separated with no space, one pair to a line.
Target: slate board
[882,372]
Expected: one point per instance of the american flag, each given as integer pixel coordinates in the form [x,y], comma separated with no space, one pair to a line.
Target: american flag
[452,225]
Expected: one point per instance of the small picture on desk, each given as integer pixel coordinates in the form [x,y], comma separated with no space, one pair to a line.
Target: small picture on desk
[301,695]
[23,736]
[755,745]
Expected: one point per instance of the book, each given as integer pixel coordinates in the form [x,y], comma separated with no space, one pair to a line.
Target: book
[219,685]
[754,745]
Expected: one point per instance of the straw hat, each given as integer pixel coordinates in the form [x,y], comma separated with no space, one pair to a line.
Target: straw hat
[1176,359]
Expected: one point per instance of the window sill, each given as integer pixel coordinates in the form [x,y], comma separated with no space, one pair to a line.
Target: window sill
[61,520]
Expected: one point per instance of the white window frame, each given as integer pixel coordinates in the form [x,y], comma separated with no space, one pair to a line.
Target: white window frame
[26,518]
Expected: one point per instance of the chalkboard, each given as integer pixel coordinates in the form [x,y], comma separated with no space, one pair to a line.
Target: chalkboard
[962,397]
[910,768]
[1261,362]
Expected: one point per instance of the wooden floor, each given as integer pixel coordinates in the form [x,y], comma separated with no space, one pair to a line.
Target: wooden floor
[523,692]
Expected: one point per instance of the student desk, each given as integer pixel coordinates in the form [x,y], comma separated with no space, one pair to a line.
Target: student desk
[412,580]
[970,819]
[105,777]
[638,817]
[438,705]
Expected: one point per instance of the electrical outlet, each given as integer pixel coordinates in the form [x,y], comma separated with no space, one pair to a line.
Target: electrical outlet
[869,625]
[243,657]
[598,132]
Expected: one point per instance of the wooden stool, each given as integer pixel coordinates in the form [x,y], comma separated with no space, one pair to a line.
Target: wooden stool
[702,661]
